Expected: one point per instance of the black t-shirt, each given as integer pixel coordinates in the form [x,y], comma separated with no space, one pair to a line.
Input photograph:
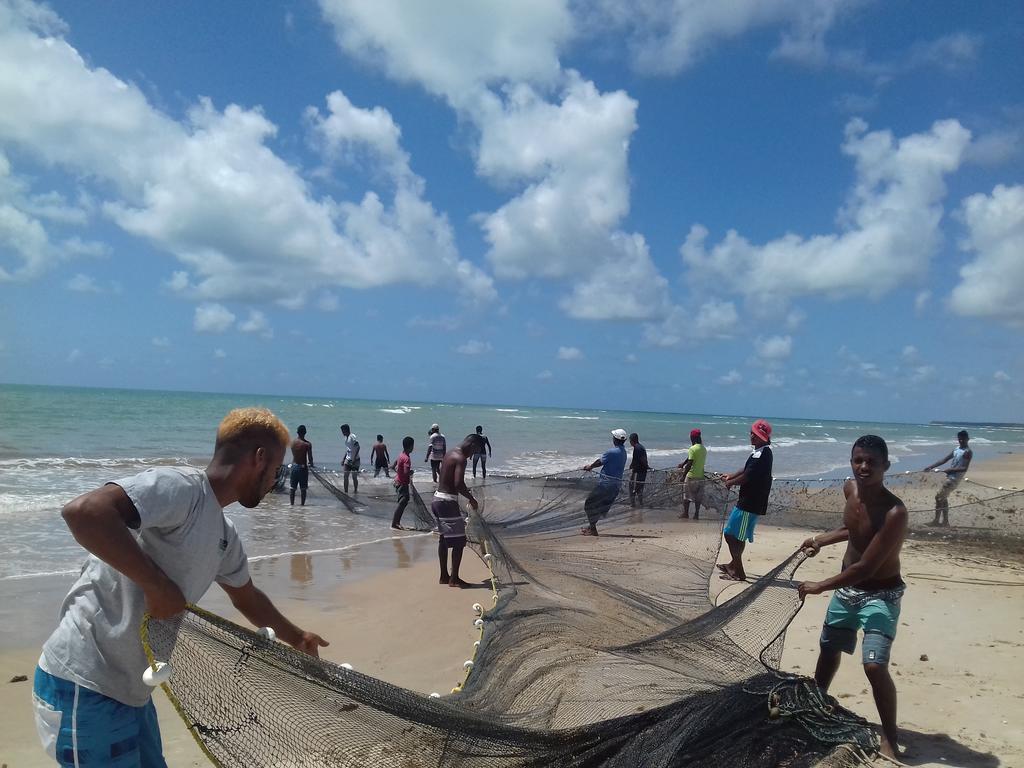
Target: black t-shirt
[639,462]
[758,484]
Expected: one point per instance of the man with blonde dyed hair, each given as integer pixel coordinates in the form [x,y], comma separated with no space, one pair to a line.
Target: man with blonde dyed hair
[156,543]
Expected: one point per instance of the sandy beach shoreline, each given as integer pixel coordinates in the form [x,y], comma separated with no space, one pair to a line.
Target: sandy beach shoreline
[956,661]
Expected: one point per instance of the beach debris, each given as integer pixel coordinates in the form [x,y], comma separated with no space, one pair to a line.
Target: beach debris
[435,695]
[924,657]
[267,632]
[346,665]
[19,679]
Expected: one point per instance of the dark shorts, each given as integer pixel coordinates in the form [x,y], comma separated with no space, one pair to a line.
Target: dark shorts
[300,476]
[639,475]
[381,464]
[450,522]
[600,501]
[350,466]
[403,492]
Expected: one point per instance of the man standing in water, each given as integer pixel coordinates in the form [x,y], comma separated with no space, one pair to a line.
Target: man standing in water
[302,460]
[156,542]
[600,500]
[379,457]
[638,467]
[451,525]
[955,473]
[755,482]
[350,462]
[482,456]
[693,475]
[403,480]
[869,589]
[437,446]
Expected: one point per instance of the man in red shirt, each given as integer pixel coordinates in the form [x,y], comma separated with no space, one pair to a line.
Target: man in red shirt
[403,478]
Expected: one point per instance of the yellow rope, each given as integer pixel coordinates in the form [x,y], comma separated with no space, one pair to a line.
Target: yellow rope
[144,635]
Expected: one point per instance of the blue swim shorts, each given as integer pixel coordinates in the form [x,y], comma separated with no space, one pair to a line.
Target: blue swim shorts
[79,727]
[300,476]
[876,613]
[741,525]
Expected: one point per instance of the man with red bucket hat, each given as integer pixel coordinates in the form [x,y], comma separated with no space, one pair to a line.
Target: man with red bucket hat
[755,482]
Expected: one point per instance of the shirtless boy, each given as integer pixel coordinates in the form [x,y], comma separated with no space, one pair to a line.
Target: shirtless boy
[379,457]
[869,588]
[302,460]
[450,522]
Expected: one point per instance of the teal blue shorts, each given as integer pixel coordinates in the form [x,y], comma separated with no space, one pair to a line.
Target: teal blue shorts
[876,614]
[740,525]
[80,728]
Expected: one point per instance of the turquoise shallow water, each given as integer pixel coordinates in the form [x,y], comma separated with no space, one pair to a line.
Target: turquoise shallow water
[58,442]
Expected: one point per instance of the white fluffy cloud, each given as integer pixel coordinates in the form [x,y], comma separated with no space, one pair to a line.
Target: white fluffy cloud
[712,320]
[890,225]
[542,130]
[732,377]
[774,349]
[25,243]
[666,36]
[213,318]
[474,347]
[570,353]
[454,49]
[992,283]
[83,284]
[209,190]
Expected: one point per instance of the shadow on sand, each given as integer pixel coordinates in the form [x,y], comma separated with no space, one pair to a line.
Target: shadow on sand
[940,748]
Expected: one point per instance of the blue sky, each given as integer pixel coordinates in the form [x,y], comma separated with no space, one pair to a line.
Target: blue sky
[789,207]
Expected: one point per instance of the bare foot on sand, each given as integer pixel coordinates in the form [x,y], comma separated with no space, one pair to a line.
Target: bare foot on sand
[458,583]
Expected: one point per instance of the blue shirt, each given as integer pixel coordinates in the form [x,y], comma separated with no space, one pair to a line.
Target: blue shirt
[613,462]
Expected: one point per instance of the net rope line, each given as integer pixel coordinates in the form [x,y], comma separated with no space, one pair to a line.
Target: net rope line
[353,505]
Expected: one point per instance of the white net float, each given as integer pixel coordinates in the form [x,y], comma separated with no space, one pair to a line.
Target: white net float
[158,674]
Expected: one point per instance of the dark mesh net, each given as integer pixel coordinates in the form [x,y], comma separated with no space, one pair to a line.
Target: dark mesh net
[600,651]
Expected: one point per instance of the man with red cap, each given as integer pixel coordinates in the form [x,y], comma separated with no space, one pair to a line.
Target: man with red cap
[693,475]
[755,482]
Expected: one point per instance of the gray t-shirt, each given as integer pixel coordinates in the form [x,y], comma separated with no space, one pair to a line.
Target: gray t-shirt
[184,530]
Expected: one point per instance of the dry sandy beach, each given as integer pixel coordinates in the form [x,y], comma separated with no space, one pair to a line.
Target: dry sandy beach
[957,661]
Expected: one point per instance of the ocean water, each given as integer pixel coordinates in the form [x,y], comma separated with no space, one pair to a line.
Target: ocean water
[56,443]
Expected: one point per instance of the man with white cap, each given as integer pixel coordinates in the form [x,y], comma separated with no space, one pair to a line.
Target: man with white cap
[755,482]
[437,447]
[600,500]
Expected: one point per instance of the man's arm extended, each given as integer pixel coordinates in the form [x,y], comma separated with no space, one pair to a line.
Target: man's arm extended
[685,466]
[948,457]
[736,478]
[261,612]
[460,484]
[99,521]
[882,547]
[819,540]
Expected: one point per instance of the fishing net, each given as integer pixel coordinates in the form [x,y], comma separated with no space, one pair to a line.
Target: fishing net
[604,651]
